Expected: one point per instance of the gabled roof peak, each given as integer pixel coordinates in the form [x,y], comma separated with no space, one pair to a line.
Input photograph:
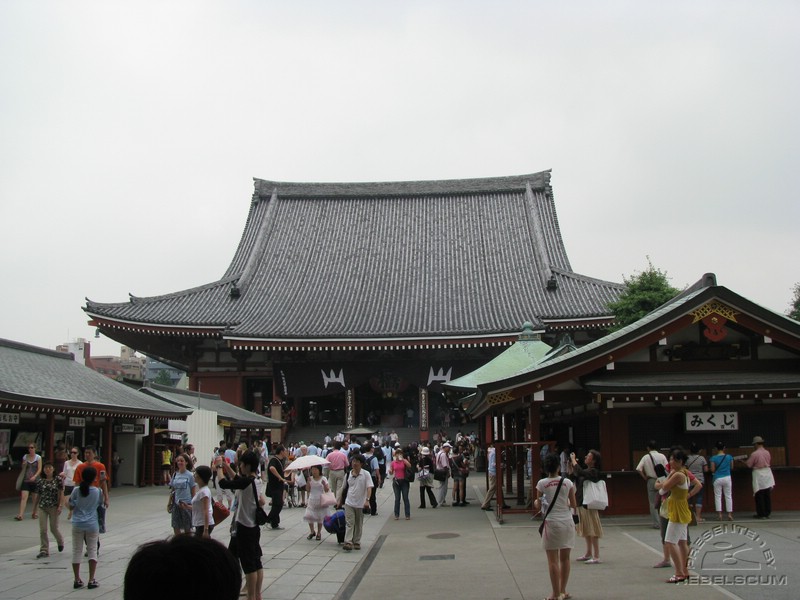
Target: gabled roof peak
[36,349]
[265,189]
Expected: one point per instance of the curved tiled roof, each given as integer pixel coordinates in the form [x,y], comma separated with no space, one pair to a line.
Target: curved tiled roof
[236,415]
[37,378]
[614,345]
[395,259]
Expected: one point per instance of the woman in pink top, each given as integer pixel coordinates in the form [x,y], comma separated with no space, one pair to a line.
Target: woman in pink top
[399,467]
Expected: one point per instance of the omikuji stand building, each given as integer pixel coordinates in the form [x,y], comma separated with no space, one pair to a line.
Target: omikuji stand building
[707,366]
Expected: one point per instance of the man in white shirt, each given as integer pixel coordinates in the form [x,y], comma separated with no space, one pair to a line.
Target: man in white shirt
[372,466]
[359,491]
[647,469]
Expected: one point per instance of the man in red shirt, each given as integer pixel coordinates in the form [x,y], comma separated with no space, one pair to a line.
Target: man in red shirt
[101,480]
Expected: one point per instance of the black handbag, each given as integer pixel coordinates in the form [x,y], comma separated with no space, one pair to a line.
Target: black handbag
[659,469]
[261,515]
[441,474]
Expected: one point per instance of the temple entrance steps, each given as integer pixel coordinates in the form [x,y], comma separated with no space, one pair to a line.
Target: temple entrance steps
[307,434]
[405,435]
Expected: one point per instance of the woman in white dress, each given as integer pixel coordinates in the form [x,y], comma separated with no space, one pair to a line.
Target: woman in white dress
[315,512]
[558,534]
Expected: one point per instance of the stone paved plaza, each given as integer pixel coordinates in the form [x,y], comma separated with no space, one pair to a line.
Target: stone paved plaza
[449,552]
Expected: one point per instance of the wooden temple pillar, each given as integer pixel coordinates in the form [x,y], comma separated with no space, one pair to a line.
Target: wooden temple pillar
[276,412]
[108,444]
[488,435]
[424,410]
[350,408]
[49,451]
[148,468]
[534,425]
[793,431]
[505,422]
[614,436]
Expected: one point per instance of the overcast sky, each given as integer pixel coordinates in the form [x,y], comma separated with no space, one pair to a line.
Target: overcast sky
[130,132]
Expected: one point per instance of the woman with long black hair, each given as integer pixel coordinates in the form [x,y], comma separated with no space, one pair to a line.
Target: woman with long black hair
[85,526]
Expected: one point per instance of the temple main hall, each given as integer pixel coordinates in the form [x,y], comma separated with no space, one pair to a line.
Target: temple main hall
[352,303]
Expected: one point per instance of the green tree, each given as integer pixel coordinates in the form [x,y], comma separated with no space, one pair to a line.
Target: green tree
[794,306]
[163,378]
[643,293]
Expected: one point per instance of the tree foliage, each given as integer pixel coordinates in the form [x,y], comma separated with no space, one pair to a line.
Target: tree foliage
[163,378]
[644,292]
[794,305]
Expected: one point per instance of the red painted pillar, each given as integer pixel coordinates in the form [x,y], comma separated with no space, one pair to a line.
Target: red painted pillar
[50,453]
[276,413]
[534,422]
[109,449]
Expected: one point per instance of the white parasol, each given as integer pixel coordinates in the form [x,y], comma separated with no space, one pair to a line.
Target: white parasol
[305,462]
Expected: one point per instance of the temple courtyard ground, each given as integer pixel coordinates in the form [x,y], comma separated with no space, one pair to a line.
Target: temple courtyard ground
[450,552]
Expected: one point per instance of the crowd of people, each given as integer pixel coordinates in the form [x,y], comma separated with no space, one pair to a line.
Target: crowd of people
[82,488]
[256,481]
[674,489]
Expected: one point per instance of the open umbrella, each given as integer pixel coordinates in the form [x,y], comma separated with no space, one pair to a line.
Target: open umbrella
[306,462]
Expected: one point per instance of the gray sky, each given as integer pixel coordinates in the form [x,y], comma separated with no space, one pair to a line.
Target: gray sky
[130,132]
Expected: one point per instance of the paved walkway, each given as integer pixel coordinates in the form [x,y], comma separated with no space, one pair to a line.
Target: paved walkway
[452,552]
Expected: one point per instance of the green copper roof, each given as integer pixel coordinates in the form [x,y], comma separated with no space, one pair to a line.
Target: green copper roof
[526,352]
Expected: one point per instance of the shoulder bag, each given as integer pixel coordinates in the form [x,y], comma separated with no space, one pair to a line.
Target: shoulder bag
[550,506]
[660,470]
[440,474]
[21,477]
[595,494]
[327,499]
[261,516]
[411,473]
[219,511]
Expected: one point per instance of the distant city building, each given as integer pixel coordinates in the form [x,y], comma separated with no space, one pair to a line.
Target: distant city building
[125,366]
[80,349]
